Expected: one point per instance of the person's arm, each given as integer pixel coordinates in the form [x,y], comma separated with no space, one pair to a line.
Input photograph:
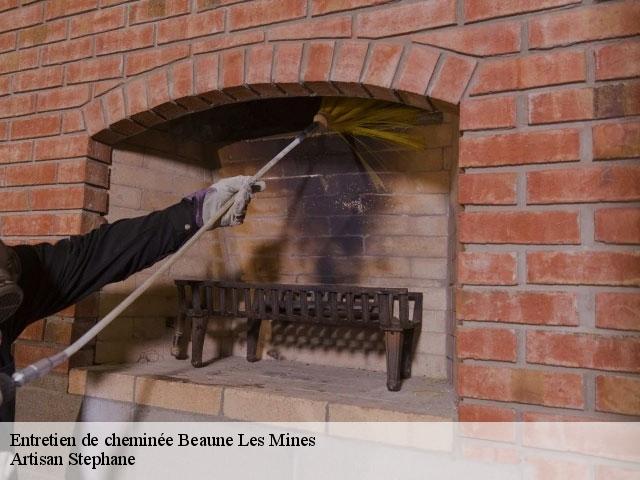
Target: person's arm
[56,276]
[59,275]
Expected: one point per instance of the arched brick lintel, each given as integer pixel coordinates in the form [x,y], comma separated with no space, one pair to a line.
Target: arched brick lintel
[377,69]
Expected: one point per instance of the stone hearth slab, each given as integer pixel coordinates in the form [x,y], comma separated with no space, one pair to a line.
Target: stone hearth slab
[234,389]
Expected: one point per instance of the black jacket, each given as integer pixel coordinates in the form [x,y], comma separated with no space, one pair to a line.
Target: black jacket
[59,275]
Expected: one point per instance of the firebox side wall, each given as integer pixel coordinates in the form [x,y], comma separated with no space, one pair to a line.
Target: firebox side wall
[321,220]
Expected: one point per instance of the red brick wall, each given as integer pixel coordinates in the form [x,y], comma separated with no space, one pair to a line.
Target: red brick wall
[549,102]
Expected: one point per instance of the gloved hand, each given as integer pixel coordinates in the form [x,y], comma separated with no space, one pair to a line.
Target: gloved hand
[209,200]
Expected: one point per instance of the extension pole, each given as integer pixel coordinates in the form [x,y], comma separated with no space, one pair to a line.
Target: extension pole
[42,367]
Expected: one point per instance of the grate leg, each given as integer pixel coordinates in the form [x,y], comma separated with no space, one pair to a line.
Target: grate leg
[407,352]
[394,341]
[198,332]
[180,337]
[253,335]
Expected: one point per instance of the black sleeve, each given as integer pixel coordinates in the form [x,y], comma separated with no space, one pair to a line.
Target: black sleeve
[59,275]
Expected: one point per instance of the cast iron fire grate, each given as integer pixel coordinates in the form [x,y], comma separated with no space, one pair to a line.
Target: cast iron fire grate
[395,311]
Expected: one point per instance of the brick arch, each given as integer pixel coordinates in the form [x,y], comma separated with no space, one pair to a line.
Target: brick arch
[407,73]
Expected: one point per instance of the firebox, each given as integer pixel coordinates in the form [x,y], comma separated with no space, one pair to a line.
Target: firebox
[323,220]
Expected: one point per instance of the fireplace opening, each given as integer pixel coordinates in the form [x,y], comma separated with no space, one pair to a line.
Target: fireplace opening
[324,219]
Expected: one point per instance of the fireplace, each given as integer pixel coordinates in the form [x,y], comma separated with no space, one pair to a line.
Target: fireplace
[523,240]
[322,220]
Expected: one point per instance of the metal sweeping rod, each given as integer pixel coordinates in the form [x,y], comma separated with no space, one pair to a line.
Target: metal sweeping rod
[42,367]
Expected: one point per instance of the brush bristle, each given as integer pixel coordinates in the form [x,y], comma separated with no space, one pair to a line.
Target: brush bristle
[385,121]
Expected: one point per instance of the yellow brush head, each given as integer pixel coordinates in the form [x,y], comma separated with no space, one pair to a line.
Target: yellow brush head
[354,118]
[385,121]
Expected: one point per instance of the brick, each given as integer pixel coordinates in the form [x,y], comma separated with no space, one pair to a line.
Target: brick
[150,10]
[486,344]
[544,468]
[332,27]
[21,18]
[259,64]
[469,412]
[14,201]
[94,117]
[487,113]
[94,69]
[209,4]
[608,472]
[616,140]
[32,127]
[8,41]
[63,8]
[399,245]
[322,7]
[401,19]
[252,404]
[382,65]
[588,185]
[487,189]
[416,72]
[181,79]
[232,69]
[520,148]
[318,66]
[113,103]
[227,41]
[28,353]
[618,311]
[72,121]
[596,22]
[288,64]
[108,385]
[69,197]
[562,106]
[30,174]
[66,146]
[521,386]
[16,152]
[536,70]
[131,38]
[533,308]
[617,225]
[8,4]
[477,40]
[40,34]
[618,394]
[18,60]
[348,65]
[483,9]
[39,79]
[83,170]
[475,268]
[548,227]
[584,350]
[67,51]
[618,60]
[617,100]
[584,268]
[17,105]
[138,62]
[66,97]
[190,26]
[206,73]
[264,12]
[176,394]
[97,21]
[35,331]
